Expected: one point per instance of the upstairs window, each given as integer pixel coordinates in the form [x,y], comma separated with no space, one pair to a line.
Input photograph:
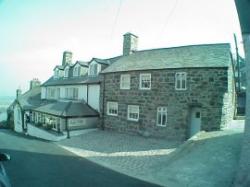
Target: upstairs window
[93,70]
[51,93]
[133,112]
[145,81]
[75,71]
[161,116]
[112,108]
[66,72]
[125,82]
[56,73]
[75,93]
[79,71]
[181,81]
[71,93]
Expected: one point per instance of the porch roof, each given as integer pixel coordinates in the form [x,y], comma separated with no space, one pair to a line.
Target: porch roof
[68,109]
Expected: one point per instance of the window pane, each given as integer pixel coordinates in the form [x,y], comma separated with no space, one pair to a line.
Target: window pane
[164,118]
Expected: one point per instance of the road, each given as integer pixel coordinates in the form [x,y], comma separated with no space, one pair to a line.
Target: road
[40,163]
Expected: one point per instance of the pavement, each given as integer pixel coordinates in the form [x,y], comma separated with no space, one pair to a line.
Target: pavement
[209,159]
[38,163]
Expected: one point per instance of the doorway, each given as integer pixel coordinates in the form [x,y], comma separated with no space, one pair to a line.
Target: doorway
[195,121]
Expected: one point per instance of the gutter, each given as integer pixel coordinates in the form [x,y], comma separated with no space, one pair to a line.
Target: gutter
[103,100]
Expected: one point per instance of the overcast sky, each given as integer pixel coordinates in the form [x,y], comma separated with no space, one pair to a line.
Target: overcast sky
[34,33]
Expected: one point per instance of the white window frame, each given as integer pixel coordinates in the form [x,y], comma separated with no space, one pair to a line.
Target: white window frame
[125,82]
[111,104]
[181,76]
[133,109]
[161,111]
[141,81]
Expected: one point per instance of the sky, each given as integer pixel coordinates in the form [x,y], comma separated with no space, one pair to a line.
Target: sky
[34,33]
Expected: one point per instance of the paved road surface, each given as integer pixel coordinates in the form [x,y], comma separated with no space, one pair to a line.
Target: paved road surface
[37,163]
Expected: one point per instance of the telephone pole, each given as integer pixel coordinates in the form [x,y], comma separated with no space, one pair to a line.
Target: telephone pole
[237,63]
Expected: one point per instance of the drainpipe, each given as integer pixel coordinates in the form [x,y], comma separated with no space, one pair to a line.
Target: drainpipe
[103,99]
[67,128]
[87,94]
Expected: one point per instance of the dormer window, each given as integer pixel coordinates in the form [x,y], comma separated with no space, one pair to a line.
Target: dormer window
[77,71]
[93,70]
[66,72]
[56,73]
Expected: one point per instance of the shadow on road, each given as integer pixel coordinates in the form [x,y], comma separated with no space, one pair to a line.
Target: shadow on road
[39,170]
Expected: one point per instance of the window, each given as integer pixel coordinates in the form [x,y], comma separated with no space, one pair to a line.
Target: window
[71,93]
[79,71]
[145,81]
[161,116]
[75,71]
[56,73]
[125,81]
[133,112]
[181,81]
[112,108]
[93,70]
[51,93]
[66,72]
[75,93]
[58,93]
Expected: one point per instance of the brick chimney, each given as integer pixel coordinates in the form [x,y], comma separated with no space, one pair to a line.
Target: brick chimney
[67,58]
[18,93]
[34,83]
[130,42]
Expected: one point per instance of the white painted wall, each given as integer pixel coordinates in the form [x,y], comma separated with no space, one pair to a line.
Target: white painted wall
[94,97]
[82,123]
[82,92]
[17,119]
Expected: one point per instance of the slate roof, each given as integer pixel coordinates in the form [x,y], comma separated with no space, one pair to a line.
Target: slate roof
[30,99]
[72,81]
[193,56]
[67,109]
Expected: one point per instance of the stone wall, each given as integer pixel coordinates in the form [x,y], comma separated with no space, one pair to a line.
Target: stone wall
[209,88]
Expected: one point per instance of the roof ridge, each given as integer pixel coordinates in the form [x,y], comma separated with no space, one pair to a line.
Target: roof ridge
[182,46]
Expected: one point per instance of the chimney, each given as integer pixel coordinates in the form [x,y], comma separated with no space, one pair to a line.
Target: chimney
[34,83]
[129,43]
[67,58]
[18,93]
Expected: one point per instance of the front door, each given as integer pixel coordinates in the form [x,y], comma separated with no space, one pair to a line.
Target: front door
[195,121]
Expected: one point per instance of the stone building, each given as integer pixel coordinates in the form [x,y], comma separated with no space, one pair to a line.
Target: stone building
[168,92]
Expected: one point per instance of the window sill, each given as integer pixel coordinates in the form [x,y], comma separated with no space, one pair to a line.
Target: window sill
[160,125]
[134,120]
[112,114]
